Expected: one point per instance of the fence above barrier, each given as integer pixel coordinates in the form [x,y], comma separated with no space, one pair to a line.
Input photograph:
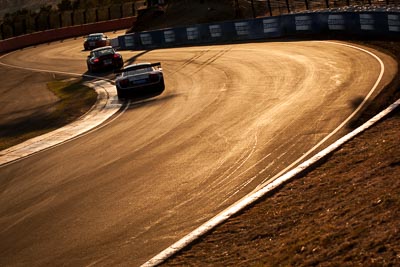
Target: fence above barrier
[372,24]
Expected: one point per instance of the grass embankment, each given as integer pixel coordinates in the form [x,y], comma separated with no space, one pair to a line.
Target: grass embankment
[74,99]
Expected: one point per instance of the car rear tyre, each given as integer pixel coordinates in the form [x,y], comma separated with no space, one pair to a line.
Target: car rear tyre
[120,94]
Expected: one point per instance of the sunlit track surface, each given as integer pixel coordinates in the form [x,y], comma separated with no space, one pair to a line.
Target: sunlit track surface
[231,117]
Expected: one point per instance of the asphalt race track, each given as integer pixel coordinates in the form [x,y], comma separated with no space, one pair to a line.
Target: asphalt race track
[231,117]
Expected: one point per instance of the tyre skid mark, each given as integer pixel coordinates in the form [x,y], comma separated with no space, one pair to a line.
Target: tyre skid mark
[285,175]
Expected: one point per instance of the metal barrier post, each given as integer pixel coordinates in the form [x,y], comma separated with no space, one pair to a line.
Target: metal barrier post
[269,7]
[287,6]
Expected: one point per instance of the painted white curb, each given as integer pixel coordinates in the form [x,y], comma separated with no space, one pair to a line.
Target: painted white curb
[253,197]
[107,105]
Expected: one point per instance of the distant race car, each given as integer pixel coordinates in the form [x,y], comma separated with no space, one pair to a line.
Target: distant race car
[104,58]
[96,40]
[139,80]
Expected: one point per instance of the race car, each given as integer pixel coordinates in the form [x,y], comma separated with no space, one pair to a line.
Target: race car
[140,80]
[96,40]
[104,58]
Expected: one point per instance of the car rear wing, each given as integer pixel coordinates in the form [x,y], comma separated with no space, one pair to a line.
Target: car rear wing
[131,68]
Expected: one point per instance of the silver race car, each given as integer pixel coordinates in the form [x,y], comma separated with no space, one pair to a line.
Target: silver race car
[140,80]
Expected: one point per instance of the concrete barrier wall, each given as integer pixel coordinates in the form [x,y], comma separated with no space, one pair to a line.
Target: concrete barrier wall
[63,33]
[363,24]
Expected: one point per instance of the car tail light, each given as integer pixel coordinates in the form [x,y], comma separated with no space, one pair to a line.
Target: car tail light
[117,56]
[153,77]
[124,83]
[96,60]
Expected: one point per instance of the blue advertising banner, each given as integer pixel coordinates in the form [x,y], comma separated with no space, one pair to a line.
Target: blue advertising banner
[354,23]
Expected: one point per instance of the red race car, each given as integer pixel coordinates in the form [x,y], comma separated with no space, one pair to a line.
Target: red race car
[104,58]
[96,40]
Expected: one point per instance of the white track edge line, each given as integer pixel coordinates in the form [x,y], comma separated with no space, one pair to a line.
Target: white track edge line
[360,106]
[251,199]
[254,196]
[248,200]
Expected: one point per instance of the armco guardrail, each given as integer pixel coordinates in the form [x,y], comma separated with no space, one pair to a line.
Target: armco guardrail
[380,24]
[63,33]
